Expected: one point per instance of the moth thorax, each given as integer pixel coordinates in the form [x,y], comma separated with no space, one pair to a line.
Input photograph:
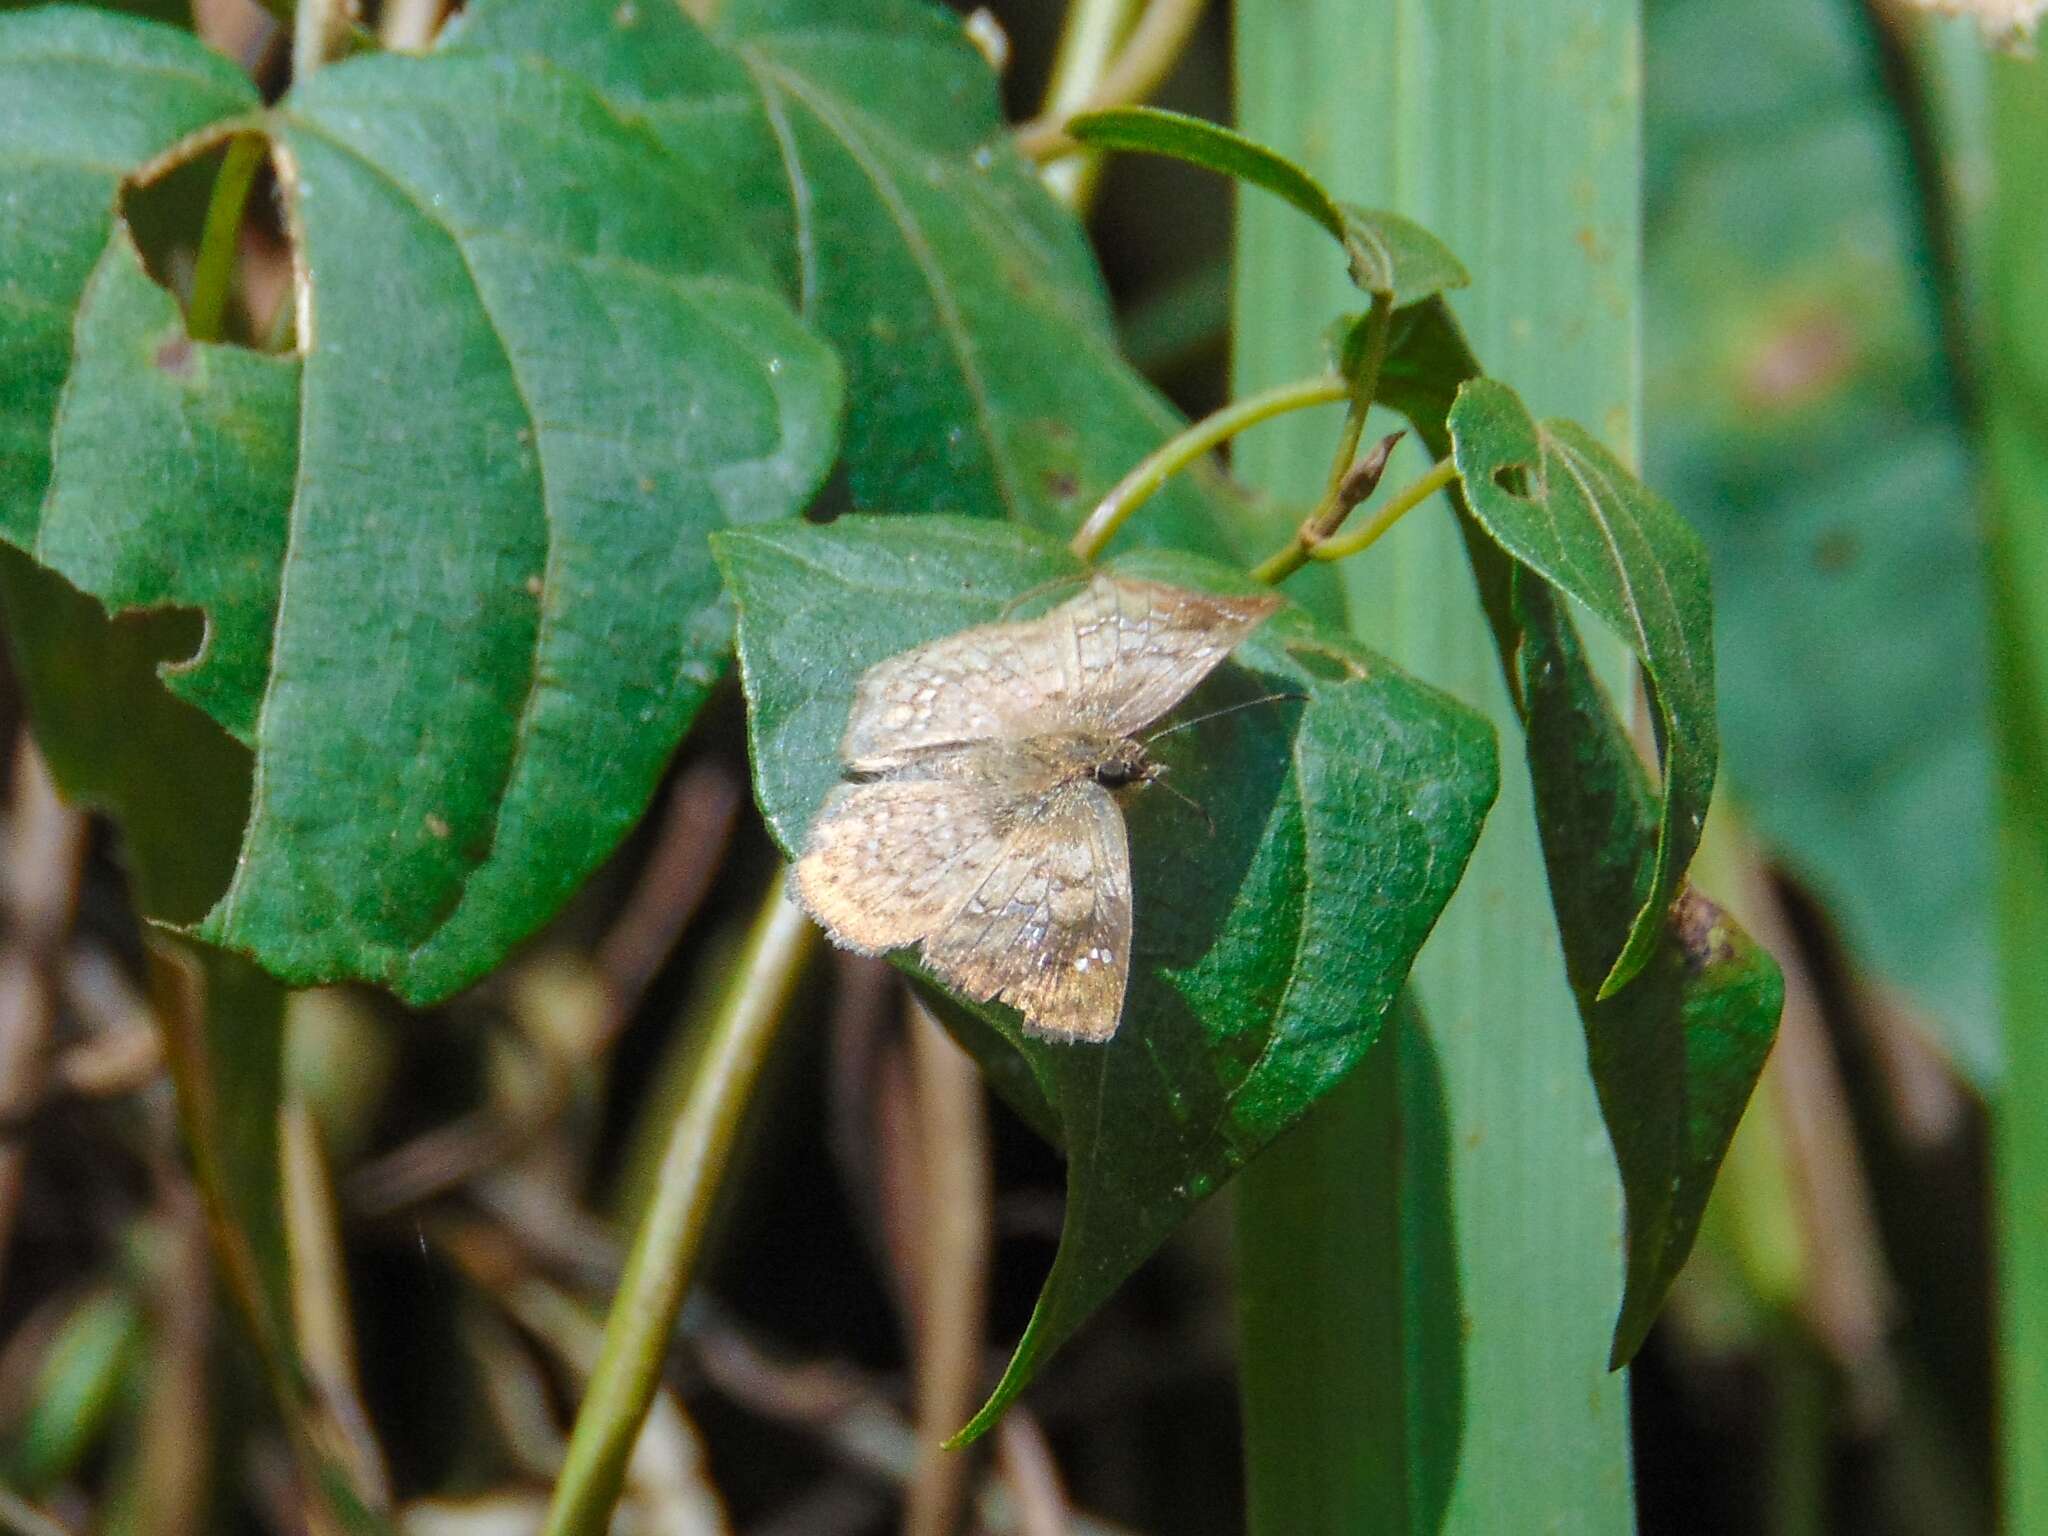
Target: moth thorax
[1123,762]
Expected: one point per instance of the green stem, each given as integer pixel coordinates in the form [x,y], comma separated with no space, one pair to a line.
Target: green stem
[1365,383]
[214,271]
[1801,1420]
[2016,415]
[670,1237]
[1441,475]
[1306,545]
[1340,492]
[1188,447]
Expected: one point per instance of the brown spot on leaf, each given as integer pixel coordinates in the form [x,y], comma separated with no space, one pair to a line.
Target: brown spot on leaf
[1835,550]
[1701,928]
[1062,484]
[174,357]
[437,827]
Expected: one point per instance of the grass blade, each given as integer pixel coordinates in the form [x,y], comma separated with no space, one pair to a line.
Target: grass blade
[1492,1349]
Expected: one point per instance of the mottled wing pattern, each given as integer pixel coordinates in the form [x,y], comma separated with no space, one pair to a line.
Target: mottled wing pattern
[1114,658]
[1141,647]
[1008,863]
[1007,680]
[886,862]
[1048,928]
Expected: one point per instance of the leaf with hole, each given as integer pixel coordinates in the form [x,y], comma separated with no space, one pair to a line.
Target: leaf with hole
[451,557]
[1389,255]
[1562,506]
[1673,1055]
[1273,926]
[867,148]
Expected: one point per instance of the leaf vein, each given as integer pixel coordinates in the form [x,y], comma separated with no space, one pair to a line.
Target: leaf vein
[799,190]
[943,298]
[549,597]
[1614,556]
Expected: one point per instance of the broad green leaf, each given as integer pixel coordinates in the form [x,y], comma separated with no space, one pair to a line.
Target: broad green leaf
[1675,1053]
[1564,507]
[117,741]
[1803,411]
[85,99]
[867,148]
[1268,950]
[176,13]
[451,559]
[1388,254]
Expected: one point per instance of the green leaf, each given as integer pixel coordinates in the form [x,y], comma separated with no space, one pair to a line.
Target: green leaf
[1388,254]
[73,1395]
[1562,506]
[175,13]
[89,98]
[1675,1053]
[1268,951]
[116,740]
[1804,412]
[458,600]
[223,1030]
[867,147]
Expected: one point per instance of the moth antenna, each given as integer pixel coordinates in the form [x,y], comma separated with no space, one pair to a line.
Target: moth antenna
[1228,709]
[1159,778]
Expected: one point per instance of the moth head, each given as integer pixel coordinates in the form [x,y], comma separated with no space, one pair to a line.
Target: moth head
[1126,762]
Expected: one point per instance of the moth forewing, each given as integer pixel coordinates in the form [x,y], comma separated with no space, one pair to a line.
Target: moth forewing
[982,830]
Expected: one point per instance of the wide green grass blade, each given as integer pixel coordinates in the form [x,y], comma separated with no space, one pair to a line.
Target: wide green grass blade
[2016,399]
[1509,127]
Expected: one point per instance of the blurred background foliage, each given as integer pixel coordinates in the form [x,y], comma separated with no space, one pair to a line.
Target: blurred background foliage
[457,1182]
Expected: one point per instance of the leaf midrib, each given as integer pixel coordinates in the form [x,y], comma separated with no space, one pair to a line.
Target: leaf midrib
[548,601]
[1579,472]
[954,321]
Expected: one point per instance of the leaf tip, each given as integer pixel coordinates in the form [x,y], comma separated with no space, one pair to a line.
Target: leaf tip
[1631,1332]
[984,1420]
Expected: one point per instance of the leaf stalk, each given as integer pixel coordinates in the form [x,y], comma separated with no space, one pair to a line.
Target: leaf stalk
[1189,446]
[1365,384]
[213,271]
[1442,475]
[1356,486]
[670,1239]
[1349,483]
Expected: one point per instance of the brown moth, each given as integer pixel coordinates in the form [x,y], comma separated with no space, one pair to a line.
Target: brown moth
[978,820]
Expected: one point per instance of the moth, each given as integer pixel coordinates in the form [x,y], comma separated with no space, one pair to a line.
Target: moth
[979,817]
